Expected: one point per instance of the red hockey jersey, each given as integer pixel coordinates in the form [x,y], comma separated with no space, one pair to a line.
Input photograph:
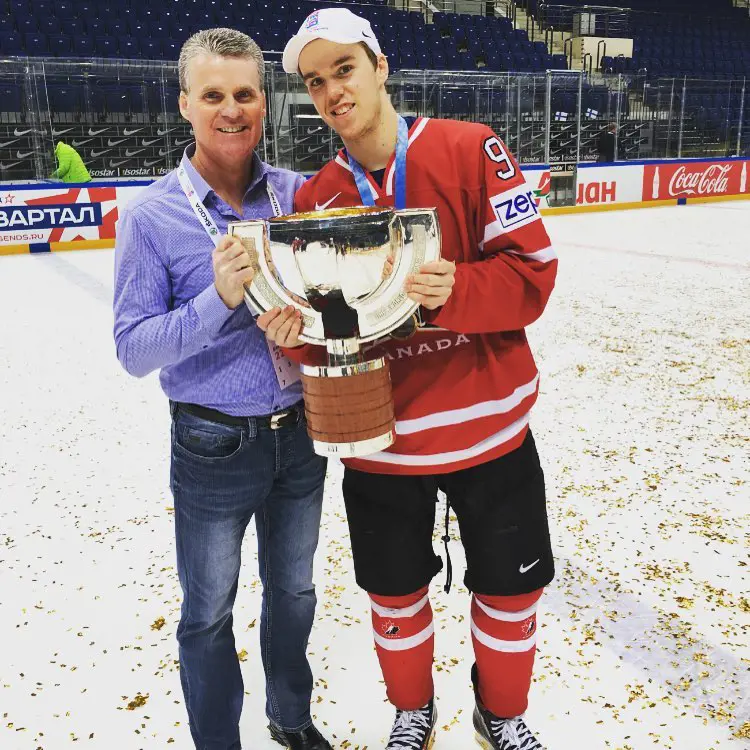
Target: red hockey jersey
[463,391]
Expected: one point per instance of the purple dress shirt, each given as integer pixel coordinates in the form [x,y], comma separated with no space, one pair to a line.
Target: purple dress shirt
[168,314]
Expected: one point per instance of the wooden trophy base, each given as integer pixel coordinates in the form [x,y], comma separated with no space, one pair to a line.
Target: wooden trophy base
[349,409]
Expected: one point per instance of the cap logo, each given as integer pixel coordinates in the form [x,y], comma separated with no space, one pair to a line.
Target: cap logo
[312,20]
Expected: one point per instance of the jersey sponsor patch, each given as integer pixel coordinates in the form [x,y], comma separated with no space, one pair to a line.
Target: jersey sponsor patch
[515,208]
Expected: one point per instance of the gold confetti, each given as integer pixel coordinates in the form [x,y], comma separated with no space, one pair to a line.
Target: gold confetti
[137,702]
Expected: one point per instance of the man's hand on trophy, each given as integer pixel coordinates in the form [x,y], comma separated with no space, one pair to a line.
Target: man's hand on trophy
[282,326]
[432,286]
[387,267]
[232,270]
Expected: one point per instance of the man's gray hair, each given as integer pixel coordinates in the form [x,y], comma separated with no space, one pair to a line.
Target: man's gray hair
[222,42]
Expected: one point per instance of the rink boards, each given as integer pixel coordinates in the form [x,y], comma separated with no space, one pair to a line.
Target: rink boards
[38,218]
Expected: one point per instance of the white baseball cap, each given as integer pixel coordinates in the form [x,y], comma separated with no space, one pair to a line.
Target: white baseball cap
[338,25]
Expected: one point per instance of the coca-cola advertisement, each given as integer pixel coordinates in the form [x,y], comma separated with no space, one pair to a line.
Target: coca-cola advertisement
[695,180]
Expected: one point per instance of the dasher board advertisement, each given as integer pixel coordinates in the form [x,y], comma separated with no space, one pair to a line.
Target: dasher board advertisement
[694,180]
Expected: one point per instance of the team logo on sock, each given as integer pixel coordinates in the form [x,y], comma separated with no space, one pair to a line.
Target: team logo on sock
[390,629]
[528,627]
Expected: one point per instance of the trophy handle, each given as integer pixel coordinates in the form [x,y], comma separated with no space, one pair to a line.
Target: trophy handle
[415,240]
[267,290]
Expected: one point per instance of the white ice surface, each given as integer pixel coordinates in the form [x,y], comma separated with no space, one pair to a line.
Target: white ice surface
[642,426]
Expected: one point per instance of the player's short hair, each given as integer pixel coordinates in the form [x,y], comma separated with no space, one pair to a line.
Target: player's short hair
[221,42]
[371,56]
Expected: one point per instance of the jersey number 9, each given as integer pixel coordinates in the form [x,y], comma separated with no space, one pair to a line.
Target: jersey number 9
[495,149]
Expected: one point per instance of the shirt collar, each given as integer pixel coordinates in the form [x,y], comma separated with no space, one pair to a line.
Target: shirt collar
[202,188]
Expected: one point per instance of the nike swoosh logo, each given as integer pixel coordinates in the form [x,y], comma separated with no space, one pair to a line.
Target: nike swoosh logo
[162,131]
[149,141]
[9,143]
[151,162]
[8,166]
[115,164]
[97,132]
[128,152]
[183,141]
[95,154]
[527,568]
[76,143]
[112,143]
[56,132]
[19,133]
[323,206]
[129,131]
[19,155]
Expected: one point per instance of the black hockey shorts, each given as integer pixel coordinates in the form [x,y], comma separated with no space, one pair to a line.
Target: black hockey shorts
[502,517]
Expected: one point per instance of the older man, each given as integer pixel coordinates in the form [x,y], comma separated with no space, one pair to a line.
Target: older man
[239,442]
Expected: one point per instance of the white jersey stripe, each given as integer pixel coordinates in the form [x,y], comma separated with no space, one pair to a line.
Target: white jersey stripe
[404,644]
[497,614]
[468,413]
[496,229]
[511,647]
[402,612]
[543,256]
[342,162]
[439,459]
[392,171]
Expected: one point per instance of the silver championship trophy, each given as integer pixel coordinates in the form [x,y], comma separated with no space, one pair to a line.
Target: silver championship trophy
[345,270]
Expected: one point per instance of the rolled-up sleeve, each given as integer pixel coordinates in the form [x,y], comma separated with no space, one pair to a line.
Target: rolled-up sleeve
[148,335]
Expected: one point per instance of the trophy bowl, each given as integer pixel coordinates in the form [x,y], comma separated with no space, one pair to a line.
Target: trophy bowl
[345,270]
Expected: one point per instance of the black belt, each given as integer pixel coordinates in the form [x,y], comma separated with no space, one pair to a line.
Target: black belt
[285,418]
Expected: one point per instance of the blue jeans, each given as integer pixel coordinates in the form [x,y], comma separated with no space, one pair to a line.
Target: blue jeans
[221,477]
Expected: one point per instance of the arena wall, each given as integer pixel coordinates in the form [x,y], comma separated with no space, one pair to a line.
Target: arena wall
[37,218]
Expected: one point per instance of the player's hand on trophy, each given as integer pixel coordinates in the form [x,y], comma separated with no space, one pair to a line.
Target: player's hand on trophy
[282,326]
[232,270]
[432,286]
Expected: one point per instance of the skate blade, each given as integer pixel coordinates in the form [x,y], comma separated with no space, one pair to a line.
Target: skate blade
[431,741]
[482,742]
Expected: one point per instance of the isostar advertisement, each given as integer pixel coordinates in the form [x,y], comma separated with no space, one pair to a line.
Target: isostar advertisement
[694,180]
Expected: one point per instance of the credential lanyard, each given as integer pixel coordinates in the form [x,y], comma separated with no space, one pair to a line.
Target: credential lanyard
[365,193]
[205,218]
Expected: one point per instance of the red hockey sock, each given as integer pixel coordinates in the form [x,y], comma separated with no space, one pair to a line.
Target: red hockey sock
[404,641]
[503,630]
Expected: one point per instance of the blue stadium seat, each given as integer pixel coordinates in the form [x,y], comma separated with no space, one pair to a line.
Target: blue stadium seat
[129,47]
[36,44]
[64,98]
[27,25]
[59,45]
[83,46]
[72,27]
[116,99]
[10,44]
[151,49]
[11,99]
[106,46]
